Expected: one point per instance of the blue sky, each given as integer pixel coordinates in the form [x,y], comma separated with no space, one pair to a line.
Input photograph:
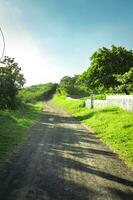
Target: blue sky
[54,38]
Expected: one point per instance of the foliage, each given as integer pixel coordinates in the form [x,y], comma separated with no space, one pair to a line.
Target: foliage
[70,86]
[67,85]
[104,64]
[100,97]
[126,81]
[11,80]
[82,83]
[37,92]
[112,124]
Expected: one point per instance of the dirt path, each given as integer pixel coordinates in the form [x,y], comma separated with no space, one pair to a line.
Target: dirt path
[61,160]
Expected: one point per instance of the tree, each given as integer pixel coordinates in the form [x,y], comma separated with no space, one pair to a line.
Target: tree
[104,64]
[82,82]
[68,85]
[125,81]
[11,80]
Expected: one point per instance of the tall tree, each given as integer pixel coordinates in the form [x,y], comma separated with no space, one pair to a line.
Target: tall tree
[104,64]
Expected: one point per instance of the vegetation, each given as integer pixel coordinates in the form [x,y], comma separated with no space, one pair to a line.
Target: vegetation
[110,71]
[69,86]
[14,123]
[13,127]
[37,92]
[11,80]
[105,63]
[113,124]
[125,81]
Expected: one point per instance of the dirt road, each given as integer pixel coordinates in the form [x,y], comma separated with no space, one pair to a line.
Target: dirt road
[62,160]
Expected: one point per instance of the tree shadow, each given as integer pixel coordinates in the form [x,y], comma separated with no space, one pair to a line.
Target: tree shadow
[58,119]
[87,116]
[120,194]
[93,112]
[50,165]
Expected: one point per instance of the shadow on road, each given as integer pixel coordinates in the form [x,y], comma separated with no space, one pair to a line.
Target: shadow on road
[52,165]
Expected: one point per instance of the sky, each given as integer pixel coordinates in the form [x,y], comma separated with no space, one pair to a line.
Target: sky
[54,38]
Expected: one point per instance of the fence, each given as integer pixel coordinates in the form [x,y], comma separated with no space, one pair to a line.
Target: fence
[123,101]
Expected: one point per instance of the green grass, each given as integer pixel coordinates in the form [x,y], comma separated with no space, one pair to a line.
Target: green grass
[114,125]
[36,92]
[14,125]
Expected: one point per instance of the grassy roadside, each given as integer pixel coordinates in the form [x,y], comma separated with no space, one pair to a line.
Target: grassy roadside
[13,126]
[113,125]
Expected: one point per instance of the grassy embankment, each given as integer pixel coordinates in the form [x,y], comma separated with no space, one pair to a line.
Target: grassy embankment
[14,123]
[113,125]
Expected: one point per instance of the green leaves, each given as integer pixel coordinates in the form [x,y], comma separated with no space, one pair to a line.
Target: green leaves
[11,80]
[104,64]
[125,81]
[68,85]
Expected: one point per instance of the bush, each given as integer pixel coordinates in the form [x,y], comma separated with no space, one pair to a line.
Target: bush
[11,80]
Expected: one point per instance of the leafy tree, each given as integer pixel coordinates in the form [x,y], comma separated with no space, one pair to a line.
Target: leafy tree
[11,80]
[125,81]
[104,64]
[68,85]
[82,82]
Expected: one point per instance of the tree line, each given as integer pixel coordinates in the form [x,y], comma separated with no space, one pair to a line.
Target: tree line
[110,71]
